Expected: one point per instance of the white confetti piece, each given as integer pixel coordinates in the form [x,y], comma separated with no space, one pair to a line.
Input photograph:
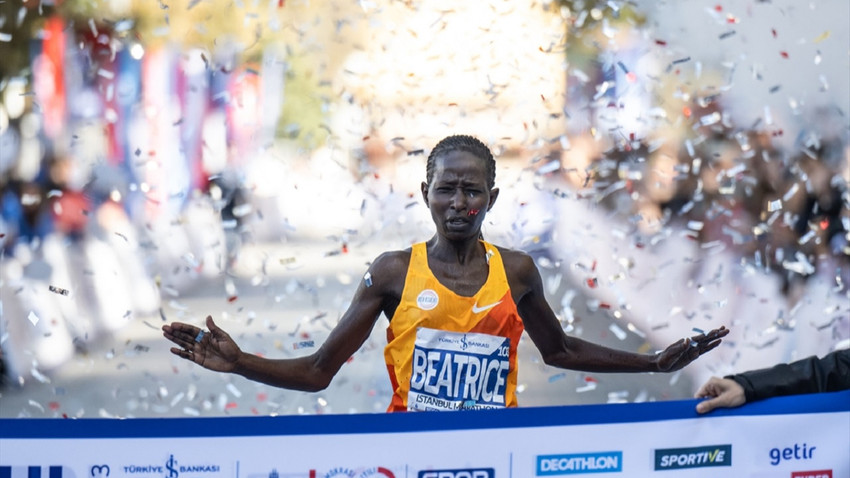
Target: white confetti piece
[774,205]
[619,396]
[39,376]
[587,387]
[33,318]
[233,390]
[791,192]
[37,405]
[242,210]
[806,237]
[616,330]
[633,329]
[177,398]
[695,225]
[675,377]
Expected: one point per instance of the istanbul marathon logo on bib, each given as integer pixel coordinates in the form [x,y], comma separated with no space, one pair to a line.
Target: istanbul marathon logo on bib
[427,299]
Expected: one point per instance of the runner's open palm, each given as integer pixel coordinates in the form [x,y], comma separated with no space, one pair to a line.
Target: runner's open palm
[215,351]
[685,351]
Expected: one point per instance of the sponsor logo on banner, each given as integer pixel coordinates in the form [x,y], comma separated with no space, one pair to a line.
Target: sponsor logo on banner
[460,473]
[695,457]
[339,472]
[427,299]
[275,474]
[812,474]
[453,370]
[796,452]
[379,472]
[172,468]
[580,463]
[36,472]
[99,471]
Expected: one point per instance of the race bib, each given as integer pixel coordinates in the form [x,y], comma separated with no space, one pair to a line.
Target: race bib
[455,370]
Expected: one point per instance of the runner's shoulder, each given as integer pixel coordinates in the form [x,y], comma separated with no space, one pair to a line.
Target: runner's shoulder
[515,259]
[519,266]
[390,266]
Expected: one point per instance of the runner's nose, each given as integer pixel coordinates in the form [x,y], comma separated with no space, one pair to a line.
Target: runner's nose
[459,200]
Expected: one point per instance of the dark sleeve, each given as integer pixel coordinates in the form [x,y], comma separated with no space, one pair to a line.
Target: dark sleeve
[810,375]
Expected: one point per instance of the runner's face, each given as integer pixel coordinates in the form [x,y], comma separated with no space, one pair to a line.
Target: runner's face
[458,196]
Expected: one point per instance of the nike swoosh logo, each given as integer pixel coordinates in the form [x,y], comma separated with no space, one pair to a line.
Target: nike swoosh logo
[476,309]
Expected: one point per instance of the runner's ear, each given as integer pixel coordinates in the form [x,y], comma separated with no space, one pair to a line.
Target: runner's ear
[494,193]
[424,188]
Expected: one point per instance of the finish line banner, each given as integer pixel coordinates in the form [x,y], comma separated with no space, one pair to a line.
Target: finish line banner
[804,436]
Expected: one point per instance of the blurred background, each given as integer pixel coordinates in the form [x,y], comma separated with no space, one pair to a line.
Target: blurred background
[671,166]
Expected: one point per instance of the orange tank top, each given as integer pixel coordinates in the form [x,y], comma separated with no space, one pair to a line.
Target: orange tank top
[448,352]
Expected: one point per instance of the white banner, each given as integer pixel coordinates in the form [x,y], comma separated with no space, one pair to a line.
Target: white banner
[805,436]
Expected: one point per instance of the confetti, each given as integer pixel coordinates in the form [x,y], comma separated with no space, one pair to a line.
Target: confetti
[806,237]
[617,331]
[233,390]
[367,279]
[303,344]
[58,290]
[695,225]
[549,167]
[590,384]
[33,318]
[774,205]
[791,192]
[823,36]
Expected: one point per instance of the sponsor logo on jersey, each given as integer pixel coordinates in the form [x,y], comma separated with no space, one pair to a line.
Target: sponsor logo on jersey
[476,309]
[427,299]
[453,370]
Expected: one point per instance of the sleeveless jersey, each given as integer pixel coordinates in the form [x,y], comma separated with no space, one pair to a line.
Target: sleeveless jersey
[448,352]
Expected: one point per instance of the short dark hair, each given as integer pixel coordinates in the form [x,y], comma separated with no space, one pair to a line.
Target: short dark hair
[466,143]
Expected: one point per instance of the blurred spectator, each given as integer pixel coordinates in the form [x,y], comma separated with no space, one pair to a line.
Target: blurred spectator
[25,214]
